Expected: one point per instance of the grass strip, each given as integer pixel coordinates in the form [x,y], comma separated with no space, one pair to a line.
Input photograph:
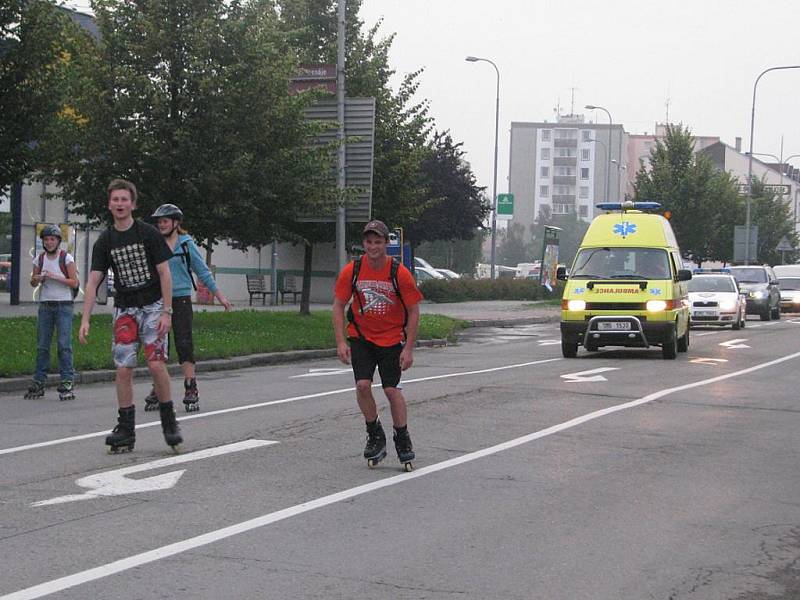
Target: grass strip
[216,335]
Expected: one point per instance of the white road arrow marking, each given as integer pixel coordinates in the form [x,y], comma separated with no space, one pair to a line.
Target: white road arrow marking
[115,483]
[709,361]
[584,376]
[323,372]
[549,342]
[734,344]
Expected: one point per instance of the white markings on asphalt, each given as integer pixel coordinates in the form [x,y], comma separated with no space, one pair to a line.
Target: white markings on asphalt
[115,483]
[70,581]
[708,361]
[586,376]
[322,372]
[234,409]
[732,344]
[549,342]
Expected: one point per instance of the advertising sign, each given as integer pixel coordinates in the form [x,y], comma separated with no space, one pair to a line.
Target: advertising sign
[547,274]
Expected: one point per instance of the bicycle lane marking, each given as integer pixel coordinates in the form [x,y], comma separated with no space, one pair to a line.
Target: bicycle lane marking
[118,566]
[234,409]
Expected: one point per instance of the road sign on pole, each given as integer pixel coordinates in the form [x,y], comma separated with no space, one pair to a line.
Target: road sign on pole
[740,243]
[505,206]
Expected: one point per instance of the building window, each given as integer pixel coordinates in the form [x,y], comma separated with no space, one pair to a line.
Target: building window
[585,154]
[545,135]
[586,135]
[566,134]
[544,191]
[584,211]
[584,193]
[545,153]
[565,152]
[562,209]
[585,173]
[544,172]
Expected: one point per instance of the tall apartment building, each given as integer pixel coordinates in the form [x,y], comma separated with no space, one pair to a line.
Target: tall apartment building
[564,166]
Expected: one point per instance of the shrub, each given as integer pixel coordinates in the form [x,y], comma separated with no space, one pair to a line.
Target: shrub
[465,290]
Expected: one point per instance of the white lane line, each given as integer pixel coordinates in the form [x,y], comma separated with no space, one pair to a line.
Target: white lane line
[234,409]
[69,581]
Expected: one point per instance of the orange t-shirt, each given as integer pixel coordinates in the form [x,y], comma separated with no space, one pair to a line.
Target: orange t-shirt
[381,321]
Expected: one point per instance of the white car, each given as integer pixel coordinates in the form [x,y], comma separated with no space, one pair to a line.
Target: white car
[448,274]
[425,273]
[421,262]
[715,299]
[790,293]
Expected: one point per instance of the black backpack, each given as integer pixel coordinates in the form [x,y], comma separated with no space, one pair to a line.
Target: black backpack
[357,296]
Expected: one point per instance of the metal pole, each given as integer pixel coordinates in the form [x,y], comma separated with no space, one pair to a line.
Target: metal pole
[16,241]
[608,149]
[619,166]
[496,134]
[341,214]
[750,161]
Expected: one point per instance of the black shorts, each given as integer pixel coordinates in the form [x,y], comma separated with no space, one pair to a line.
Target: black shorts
[365,356]
[182,328]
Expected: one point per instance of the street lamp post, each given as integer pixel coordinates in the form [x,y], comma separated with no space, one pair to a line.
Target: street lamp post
[496,133]
[608,148]
[750,160]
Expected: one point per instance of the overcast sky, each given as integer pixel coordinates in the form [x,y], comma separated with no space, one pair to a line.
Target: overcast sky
[629,56]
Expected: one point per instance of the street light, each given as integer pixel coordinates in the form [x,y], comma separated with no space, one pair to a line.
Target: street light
[750,160]
[496,132]
[608,148]
[781,163]
[620,168]
[605,146]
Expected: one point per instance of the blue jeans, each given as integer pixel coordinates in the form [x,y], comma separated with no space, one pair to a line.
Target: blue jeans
[51,316]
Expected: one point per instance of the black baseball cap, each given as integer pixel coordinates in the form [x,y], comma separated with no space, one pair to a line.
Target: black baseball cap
[378,227]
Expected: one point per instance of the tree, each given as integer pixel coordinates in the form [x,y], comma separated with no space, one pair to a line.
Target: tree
[774,220]
[512,247]
[36,41]
[189,99]
[456,206]
[703,202]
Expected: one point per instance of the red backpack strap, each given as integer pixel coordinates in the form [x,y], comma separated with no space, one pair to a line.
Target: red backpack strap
[62,263]
[40,260]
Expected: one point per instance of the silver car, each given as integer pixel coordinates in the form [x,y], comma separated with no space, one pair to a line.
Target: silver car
[715,299]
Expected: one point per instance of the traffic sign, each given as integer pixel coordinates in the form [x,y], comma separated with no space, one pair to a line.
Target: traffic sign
[784,245]
[505,206]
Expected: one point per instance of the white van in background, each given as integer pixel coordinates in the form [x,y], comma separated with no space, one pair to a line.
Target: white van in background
[528,270]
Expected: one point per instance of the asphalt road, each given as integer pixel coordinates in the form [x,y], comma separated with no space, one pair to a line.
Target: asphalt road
[643,478]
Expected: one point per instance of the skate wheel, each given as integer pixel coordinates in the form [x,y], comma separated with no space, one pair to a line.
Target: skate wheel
[372,463]
[408,467]
[176,448]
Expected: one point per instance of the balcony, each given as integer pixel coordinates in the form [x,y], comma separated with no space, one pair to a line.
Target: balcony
[563,199]
[564,180]
[565,161]
[566,143]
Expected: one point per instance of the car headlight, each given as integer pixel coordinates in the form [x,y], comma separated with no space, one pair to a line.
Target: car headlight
[576,305]
[656,305]
[758,295]
[727,305]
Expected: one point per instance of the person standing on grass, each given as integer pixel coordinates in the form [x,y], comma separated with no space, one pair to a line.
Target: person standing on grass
[55,273]
[138,255]
[185,260]
[382,330]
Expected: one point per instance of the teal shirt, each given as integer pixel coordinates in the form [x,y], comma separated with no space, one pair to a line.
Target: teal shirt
[181,278]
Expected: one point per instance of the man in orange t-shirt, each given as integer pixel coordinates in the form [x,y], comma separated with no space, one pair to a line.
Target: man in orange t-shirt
[377,338]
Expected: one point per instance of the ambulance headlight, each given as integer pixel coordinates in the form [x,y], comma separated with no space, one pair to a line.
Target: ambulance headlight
[656,305]
[727,305]
[576,305]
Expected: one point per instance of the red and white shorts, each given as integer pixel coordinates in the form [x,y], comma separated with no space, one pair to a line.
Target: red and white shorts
[134,327]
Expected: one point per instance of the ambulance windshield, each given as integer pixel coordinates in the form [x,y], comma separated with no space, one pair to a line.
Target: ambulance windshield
[621,263]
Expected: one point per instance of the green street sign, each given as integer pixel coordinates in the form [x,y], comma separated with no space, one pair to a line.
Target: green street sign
[505,206]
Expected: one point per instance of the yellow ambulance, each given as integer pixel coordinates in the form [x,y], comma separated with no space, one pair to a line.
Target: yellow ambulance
[627,285]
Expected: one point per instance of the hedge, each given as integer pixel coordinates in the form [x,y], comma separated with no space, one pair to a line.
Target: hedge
[465,290]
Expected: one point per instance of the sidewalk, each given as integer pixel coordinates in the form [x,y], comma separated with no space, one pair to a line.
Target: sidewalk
[493,313]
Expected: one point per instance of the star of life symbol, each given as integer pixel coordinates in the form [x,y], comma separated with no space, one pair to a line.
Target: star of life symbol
[625,228]
[374,298]
[655,292]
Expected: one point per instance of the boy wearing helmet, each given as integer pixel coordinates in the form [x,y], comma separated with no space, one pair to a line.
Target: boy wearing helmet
[137,254]
[55,273]
[381,333]
[185,260]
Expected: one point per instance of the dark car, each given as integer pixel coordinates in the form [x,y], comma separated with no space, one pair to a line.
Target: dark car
[762,288]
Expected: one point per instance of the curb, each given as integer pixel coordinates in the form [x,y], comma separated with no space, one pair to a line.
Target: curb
[13,384]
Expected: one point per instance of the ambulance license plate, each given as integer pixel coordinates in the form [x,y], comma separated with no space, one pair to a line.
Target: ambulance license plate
[614,326]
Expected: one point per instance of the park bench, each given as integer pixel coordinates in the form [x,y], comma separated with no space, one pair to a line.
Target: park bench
[257,286]
[289,286]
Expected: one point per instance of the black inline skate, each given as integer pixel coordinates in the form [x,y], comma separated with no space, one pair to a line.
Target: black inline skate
[36,390]
[191,400]
[375,450]
[151,400]
[405,451]
[169,425]
[123,437]
[65,390]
